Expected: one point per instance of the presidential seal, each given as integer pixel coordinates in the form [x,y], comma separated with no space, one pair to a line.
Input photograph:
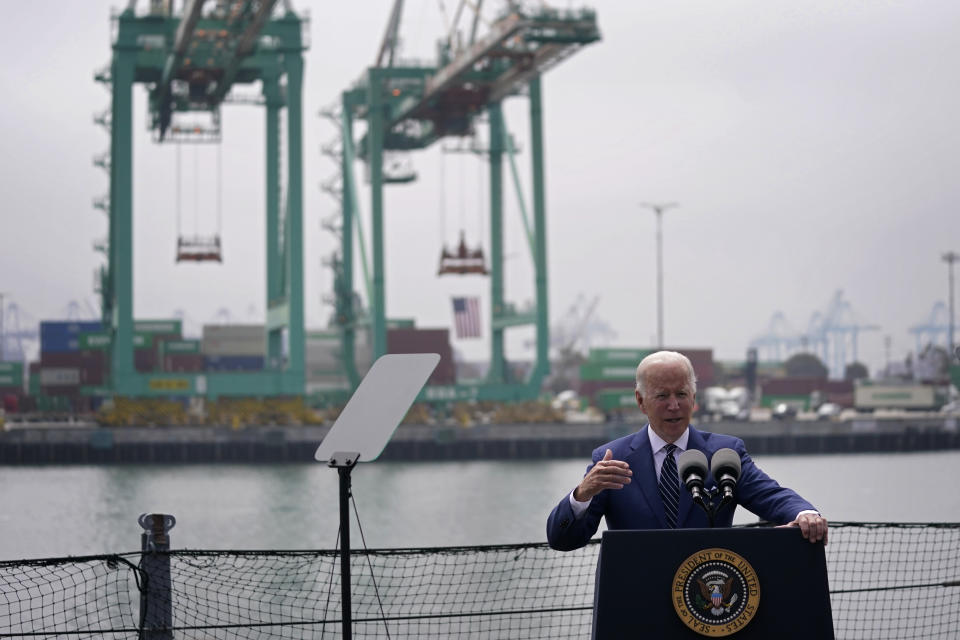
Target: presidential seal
[715,592]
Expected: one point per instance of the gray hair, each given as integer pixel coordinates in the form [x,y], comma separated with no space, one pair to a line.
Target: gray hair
[664,357]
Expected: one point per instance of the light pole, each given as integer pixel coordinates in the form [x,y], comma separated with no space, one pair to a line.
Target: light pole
[658,209]
[2,336]
[950,257]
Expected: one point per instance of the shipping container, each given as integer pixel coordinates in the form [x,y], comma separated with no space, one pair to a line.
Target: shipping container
[179,347]
[11,374]
[92,364]
[145,360]
[9,401]
[589,388]
[55,402]
[806,385]
[11,368]
[59,377]
[326,357]
[183,362]
[163,327]
[425,341]
[797,401]
[233,363]
[234,340]
[64,336]
[612,399]
[102,340]
[608,371]
[95,340]
[618,354]
[95,391]
[894,396]
[610,363]
[93,375]
[702,361]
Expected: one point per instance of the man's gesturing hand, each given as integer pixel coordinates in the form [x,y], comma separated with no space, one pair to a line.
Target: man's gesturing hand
[606,474]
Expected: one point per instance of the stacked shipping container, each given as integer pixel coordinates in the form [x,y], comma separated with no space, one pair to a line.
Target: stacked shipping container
[409,340]
[797,392]
[234,347]
[75,360]
[608,377]
[67,364]
[11,386]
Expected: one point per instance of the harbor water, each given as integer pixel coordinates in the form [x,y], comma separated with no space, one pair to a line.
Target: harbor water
[52,511]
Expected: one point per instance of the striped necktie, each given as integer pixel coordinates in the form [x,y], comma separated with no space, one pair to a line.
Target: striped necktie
[670,487]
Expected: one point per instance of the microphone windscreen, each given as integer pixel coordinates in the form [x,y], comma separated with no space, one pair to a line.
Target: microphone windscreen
[725,461]
[692,461]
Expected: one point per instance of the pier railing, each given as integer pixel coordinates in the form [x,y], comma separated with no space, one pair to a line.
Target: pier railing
[887,580]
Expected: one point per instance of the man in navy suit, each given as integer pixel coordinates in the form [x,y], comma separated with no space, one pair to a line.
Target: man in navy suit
[622,482]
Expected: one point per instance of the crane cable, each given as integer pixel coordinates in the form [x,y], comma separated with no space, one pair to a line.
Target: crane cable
[179,205]
[219,191]
[442,199]
[196,190]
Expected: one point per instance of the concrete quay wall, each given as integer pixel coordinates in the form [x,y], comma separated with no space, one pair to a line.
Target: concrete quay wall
[86,444]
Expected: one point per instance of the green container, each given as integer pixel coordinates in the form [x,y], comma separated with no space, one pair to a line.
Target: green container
[96,340]
[610,399]
[625,354]
[11,368]
[608,371]
[92,390]
[10,380]
[33,384]
[170,347]
[168,327]
[801,400]
[101,340]
[53,403]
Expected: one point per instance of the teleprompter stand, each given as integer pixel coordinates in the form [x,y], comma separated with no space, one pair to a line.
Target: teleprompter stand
[361,433]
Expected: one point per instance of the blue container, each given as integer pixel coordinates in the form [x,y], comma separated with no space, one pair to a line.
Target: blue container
[60,336]
[233,363]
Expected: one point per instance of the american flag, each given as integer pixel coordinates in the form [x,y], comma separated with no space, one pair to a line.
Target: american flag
[466,317]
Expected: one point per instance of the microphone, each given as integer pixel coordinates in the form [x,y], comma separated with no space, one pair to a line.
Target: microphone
[725,466]
[692,466]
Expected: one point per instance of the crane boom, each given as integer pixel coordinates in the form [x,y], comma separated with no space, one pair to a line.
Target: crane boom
[185,30]
[388,46]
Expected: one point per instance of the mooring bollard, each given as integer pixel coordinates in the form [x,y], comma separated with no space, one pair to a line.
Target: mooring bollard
[156,601]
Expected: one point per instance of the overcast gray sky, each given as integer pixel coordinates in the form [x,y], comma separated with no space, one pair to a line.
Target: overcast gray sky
[811,146]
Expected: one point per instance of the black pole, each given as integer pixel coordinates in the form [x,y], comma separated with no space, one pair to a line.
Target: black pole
[345,607]
[344,463]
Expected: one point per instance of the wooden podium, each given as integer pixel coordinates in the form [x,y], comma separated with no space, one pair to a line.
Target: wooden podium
[695,583]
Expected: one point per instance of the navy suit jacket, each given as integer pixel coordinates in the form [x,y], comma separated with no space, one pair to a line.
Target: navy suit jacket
[638,505]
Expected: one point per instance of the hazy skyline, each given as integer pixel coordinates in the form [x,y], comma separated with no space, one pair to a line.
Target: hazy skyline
[811,149]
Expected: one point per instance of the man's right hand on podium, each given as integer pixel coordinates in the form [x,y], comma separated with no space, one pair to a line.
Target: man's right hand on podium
[606,474]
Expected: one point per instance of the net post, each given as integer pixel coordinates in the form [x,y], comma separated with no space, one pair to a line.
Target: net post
[156,601]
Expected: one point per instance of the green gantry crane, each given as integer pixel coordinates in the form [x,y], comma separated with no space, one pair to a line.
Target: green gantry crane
[411,107]
[190,62]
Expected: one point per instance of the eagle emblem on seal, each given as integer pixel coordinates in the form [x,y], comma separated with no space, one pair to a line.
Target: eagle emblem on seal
[718,594]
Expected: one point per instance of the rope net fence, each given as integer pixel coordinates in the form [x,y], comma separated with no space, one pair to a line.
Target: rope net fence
[887,580]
